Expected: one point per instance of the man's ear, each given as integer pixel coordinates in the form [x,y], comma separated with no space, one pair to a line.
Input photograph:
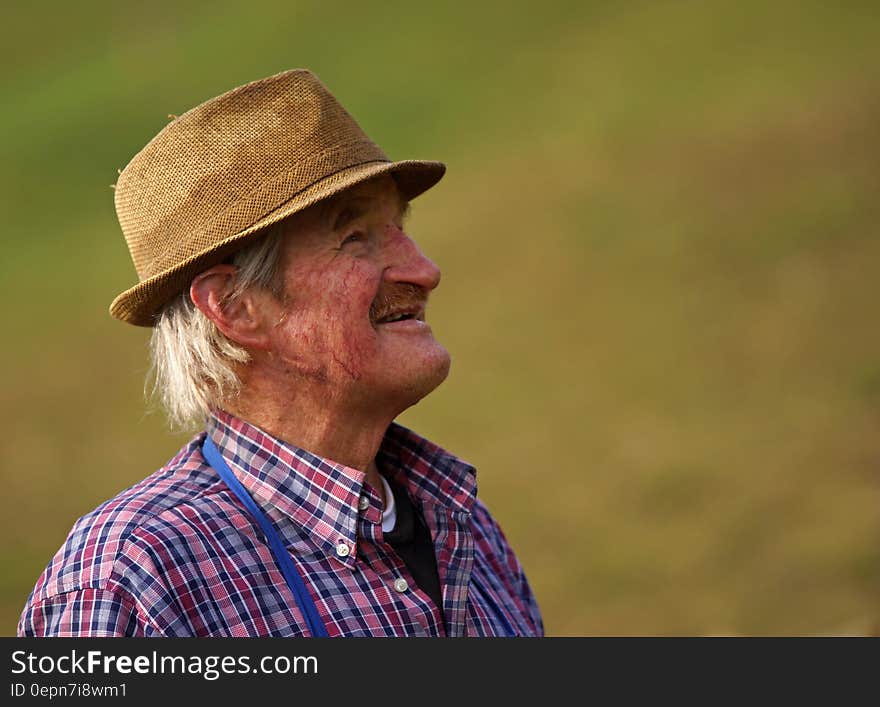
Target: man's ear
[240,319]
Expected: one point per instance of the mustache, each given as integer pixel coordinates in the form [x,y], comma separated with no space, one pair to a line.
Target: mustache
[394,298]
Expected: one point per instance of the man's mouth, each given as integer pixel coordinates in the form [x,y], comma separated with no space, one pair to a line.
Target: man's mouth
[399,303]
[402,315]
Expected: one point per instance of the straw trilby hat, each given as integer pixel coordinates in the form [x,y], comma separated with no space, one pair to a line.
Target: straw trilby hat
[231,167]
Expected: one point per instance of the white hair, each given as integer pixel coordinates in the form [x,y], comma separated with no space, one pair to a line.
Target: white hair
[193,363]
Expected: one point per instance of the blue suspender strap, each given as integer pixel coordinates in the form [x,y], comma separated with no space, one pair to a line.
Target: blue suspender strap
[291,575]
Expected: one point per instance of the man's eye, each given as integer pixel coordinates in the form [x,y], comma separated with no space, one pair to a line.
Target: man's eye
[355,237]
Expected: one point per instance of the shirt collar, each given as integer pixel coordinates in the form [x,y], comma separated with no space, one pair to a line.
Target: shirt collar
[320,495]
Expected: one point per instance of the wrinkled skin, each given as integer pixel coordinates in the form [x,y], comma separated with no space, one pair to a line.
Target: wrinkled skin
[337,283]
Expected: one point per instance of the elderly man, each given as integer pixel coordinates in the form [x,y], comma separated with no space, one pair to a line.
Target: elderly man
[288,306]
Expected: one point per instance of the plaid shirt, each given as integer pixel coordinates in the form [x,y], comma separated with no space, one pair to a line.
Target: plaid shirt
[179,555]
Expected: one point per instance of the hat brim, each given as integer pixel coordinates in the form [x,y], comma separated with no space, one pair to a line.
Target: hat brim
[141,304]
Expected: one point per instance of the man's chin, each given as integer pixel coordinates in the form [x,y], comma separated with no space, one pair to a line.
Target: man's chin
[440,373]
[410,386]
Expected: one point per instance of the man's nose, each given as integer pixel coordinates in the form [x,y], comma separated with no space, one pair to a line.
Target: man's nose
[406,262]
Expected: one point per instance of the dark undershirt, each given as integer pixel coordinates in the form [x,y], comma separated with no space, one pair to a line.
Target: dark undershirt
[412,542]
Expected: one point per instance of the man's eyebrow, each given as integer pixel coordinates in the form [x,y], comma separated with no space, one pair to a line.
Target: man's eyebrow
[355,207]
[348,213]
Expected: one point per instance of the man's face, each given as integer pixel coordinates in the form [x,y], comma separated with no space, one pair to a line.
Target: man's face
[355,290]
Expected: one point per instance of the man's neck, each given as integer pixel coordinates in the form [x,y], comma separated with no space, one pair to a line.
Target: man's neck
[321,425]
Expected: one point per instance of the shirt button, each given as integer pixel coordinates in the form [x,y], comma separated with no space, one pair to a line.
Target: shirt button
[342,550]
[400,585]
[364,503]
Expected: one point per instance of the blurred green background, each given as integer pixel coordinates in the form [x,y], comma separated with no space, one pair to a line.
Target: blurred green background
[661,260]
